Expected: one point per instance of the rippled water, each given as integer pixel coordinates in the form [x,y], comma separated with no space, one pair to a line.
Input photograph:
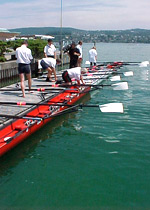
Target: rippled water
[88,159]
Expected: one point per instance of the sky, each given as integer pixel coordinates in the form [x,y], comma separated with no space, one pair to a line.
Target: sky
[86,14]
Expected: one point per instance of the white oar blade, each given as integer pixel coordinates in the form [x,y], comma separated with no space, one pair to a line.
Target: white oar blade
[112,107]
[87,62]
[128,73]
[144,64]
[120,86]
[115,78]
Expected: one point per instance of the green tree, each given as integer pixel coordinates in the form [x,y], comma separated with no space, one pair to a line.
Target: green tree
[14,44]
[3,49]
[37,47]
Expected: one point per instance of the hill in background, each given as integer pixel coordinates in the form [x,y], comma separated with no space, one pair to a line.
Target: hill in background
[123,36]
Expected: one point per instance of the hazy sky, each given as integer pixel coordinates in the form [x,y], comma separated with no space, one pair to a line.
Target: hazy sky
[86,14]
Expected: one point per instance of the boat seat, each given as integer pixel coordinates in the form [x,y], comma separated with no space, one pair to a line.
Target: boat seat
[71,91]
[20,127]
[44,112]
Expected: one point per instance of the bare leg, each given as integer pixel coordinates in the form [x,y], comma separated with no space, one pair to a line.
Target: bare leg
[54,72]
[79,62]
[91,65]
[22,83]
[29,80]
[49,72]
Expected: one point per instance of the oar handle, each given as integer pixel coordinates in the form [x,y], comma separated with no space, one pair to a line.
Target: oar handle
[21,117]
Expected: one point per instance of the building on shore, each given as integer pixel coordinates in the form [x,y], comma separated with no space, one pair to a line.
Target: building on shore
[6,34]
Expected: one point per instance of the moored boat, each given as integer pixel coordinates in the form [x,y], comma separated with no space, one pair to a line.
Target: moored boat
[21,126]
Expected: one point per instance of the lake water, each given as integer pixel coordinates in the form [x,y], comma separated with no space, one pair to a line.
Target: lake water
[88,160]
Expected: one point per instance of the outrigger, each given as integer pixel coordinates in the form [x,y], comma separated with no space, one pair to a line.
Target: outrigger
[62,100]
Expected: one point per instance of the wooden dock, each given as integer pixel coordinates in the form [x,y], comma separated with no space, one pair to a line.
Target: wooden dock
[16,96]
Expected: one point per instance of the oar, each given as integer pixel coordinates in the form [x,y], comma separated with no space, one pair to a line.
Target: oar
[106,108]
[140,64]
[144,64]
[104,63]
[52,90]
[110,107]
[119,62]
[21,117]
[113,79]
[120,86]
[117,86]
[126,74]
[23,103]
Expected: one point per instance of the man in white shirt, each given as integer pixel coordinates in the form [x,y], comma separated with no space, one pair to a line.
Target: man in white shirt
[79,47]
[49,64]
[50,50]
[24,57]
[73,73]
[92,56]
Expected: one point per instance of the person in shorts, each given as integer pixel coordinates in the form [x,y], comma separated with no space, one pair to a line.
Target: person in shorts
[24,57]
[50,50]
[49,64]
[73,73]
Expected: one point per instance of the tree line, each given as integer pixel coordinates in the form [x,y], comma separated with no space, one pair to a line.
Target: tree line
[36,46]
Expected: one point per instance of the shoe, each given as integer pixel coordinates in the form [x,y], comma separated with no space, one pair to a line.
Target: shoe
[48,79]
[58,82]
[17,85]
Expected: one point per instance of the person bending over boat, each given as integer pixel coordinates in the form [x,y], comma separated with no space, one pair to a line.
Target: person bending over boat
[24,57]
[73,53]
[49,64]
[73,73]
[92,57]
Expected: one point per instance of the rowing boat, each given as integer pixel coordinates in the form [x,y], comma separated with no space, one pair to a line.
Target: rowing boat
[18,128]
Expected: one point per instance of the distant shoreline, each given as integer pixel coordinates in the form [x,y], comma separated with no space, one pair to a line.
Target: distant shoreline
[87,36]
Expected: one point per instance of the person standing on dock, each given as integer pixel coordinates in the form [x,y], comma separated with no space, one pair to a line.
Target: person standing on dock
[49,64]
[24,57]
[50,50]
[79,47]
[74,54]
[92,56]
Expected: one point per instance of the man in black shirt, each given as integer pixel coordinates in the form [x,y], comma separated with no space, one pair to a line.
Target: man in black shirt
[73,53]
